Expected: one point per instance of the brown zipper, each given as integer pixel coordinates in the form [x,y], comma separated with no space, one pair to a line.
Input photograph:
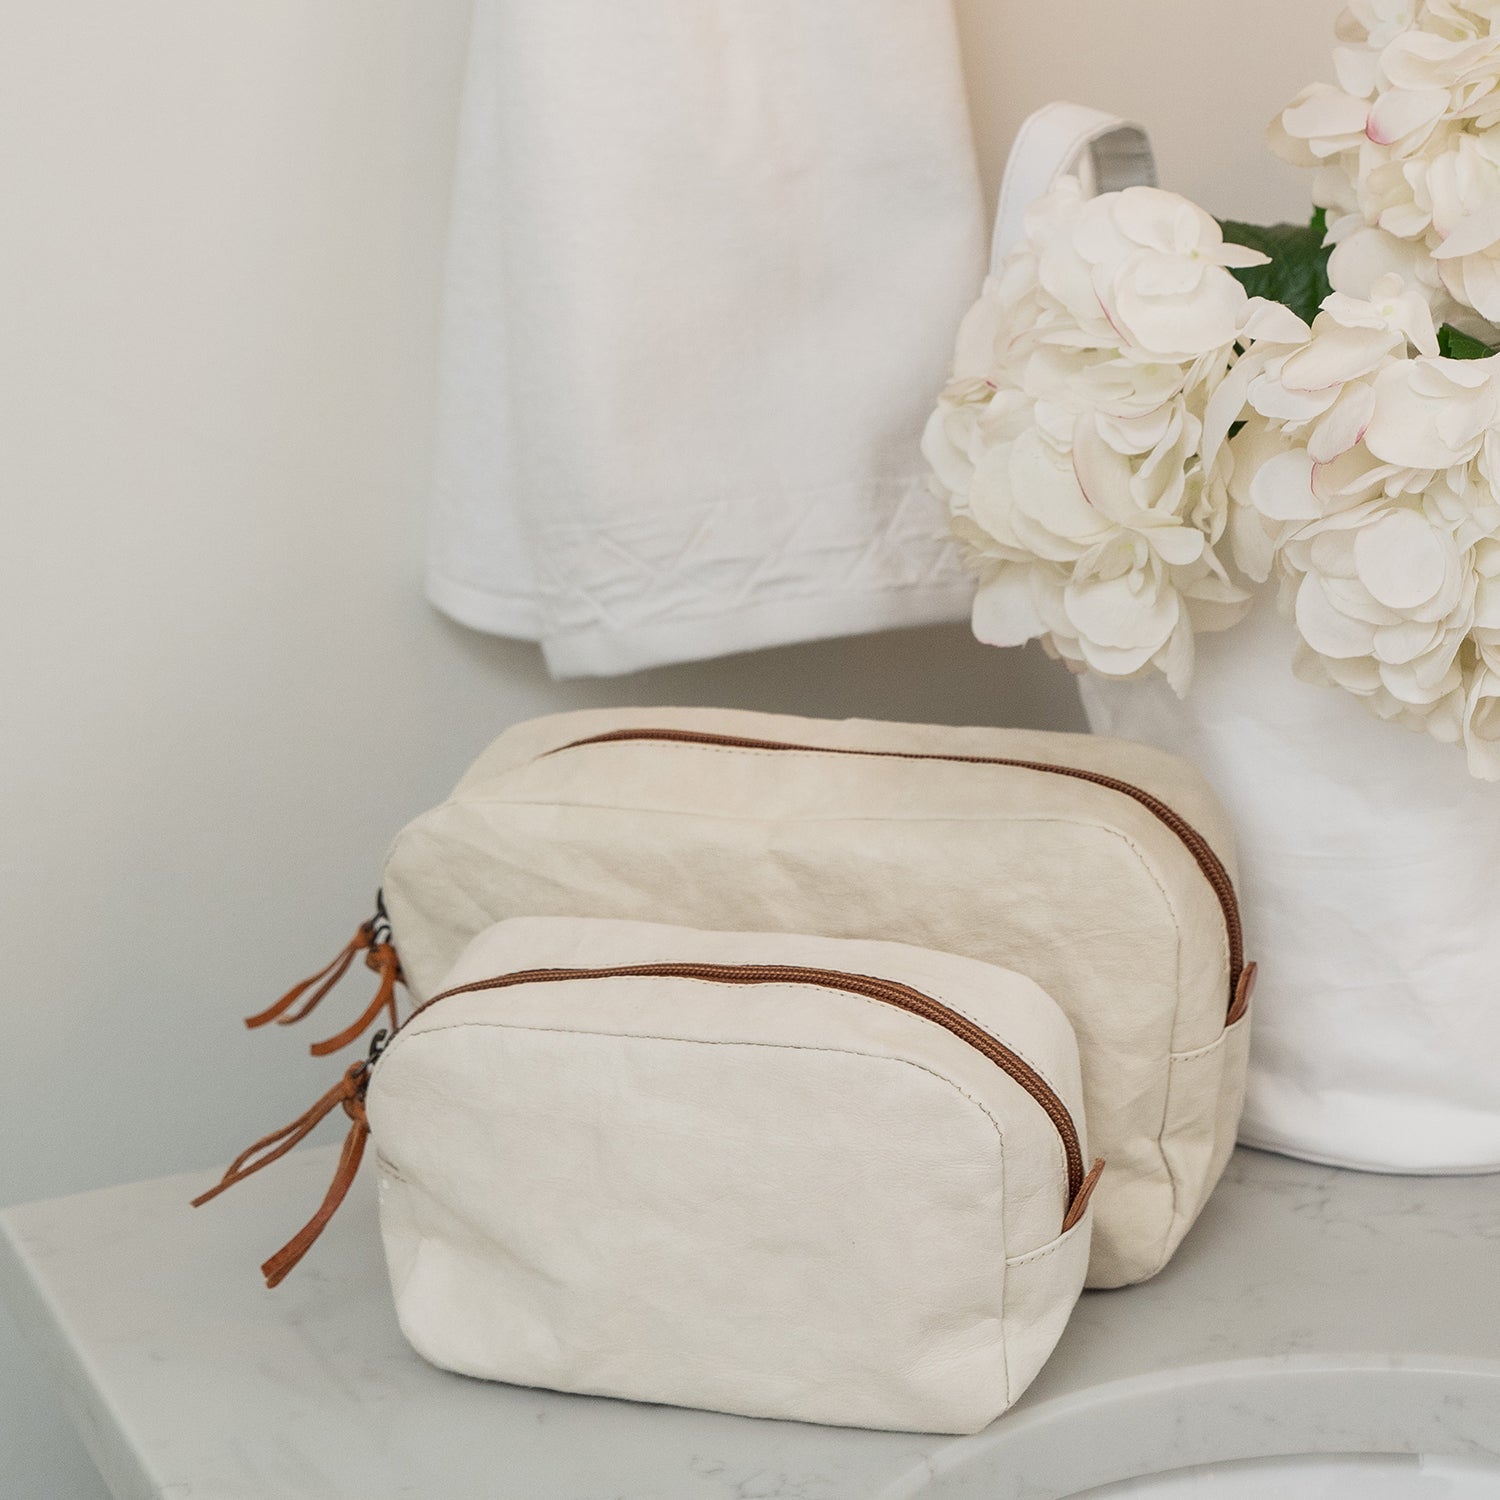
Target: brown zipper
[887,991]
[351,1089]
[375,934]
[1198,846]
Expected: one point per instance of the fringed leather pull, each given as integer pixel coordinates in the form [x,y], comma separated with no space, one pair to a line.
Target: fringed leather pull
[276,1268]
[382,959]
[273,1147]
[373,940]
[349,1092]
[325,979]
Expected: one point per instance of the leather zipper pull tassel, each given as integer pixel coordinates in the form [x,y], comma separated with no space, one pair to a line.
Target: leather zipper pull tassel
[373,940]
[348,1092]
[382,959]
[273,1147]
[324,979]
[276,1268]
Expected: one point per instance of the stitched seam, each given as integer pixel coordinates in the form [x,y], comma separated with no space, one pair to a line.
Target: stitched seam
[1199,1052]
[1174,1060]
[1139,854]
[1052,1247]
[868,1003]
[1174,1185]
[672,812]
[813,751]
[406,1038]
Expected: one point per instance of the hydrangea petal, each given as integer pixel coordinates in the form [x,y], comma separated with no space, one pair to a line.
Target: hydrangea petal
[1269,322]
[1475,232]
[1404,427]
[1177,545]
[1005,612]
[1323,112]
[1344,424]
[1282,487]
[1327,631]
[1401,560]
[1405,640]
[1401,111]
[1338,353]
[1113,613]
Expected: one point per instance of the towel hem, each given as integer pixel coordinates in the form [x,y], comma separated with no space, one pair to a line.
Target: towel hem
[601,651]
[480,609]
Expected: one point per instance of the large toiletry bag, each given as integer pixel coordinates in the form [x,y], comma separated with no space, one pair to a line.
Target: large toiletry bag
[1099,868]
[778,1175]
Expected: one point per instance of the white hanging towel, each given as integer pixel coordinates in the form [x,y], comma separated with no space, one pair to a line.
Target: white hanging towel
[707,262]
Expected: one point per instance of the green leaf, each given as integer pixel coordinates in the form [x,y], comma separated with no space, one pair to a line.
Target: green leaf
[1455,344]
[1298,273]
[1297,276]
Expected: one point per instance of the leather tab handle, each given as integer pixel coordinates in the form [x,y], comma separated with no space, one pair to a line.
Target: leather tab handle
[1107,152]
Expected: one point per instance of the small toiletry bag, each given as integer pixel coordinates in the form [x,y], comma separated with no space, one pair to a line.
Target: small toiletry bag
[784,1176]
[1099,868]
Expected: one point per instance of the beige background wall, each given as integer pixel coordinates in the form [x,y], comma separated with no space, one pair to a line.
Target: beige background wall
[220,690]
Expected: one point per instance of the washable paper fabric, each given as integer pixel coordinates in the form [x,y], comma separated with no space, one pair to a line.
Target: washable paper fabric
[1368,858]
[707,260]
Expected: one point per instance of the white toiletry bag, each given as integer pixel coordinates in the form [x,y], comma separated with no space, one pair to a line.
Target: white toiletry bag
[785,1176]
[1099,868]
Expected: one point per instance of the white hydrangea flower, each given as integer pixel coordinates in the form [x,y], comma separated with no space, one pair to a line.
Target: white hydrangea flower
[1482,718]
[1406,150]
[1068,442]
[1366,474]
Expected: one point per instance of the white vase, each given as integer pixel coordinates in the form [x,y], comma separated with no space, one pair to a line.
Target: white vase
[1370,878]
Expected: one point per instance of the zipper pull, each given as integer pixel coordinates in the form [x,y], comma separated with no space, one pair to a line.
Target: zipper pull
[349,1092]
[1243,989]
[273,1147]
[373,940]
[378,1043]
[1079,1206]
[382,960]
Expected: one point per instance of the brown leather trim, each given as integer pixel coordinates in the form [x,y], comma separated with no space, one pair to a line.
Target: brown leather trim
[273,1147]
[349,1092]
[373,940]
[1080,1203]
[325,979]
[1242,993]
[382,959]
[276,1268]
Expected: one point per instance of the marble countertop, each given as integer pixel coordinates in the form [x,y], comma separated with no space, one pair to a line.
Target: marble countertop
[1311,1310]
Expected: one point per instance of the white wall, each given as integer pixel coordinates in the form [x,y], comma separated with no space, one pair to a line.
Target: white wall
[1204,76]
[220,691]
